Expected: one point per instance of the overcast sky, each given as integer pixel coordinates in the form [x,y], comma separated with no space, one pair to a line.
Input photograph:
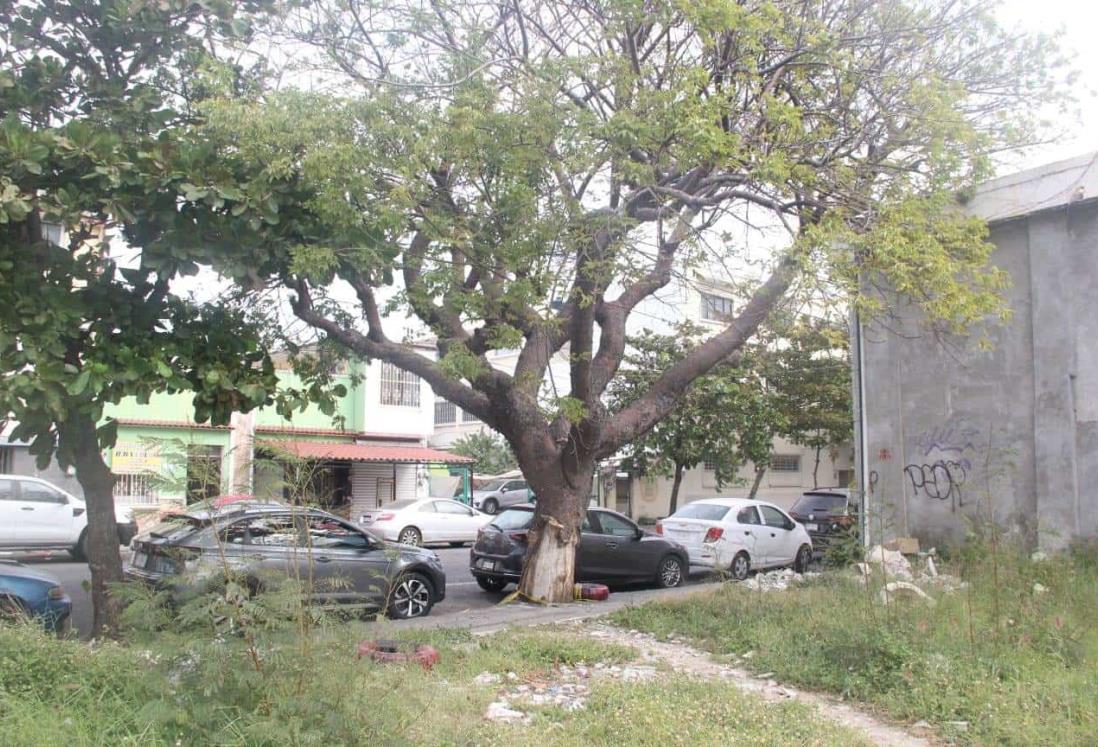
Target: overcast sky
[1078,19]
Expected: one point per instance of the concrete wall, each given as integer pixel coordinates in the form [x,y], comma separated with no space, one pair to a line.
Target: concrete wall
[957,433]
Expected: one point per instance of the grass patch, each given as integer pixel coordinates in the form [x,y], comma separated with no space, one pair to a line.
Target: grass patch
[183,689]
[1019,666]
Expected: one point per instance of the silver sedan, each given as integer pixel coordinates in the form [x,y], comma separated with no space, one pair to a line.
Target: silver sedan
[426,521]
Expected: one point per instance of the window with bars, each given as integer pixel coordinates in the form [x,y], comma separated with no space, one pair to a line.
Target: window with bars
[135,488]
[785,463]
[710,465]
[398,387]
[716,308]
[7,454]
[445,412]
[468,417]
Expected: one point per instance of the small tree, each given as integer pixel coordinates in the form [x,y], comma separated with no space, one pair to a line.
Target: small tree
[89,96]
[492,454]
[807,366]
[725,417]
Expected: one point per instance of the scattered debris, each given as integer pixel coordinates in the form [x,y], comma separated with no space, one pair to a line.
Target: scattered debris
[778,580]
[1039,589]
[904,545]
[398,652]
[499,711]
[931,569]
[904,589]
[961,726]
[891,562]
[1038,557]
[487,678]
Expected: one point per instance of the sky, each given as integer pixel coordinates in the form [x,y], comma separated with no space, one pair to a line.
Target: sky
[1078,20]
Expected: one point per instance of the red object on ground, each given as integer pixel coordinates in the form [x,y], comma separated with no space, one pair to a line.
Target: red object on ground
[594,592]
[398,652]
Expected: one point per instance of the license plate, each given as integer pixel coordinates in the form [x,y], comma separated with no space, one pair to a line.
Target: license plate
[139,560]
[812,527]
[486,565]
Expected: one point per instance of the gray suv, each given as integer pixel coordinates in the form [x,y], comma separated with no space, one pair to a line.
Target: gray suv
[501,494]
[343,563]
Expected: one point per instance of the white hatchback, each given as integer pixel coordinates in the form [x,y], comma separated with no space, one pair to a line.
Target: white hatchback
[738,534]
[426,521]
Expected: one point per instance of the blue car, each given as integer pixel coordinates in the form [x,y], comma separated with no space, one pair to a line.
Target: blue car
[30,593]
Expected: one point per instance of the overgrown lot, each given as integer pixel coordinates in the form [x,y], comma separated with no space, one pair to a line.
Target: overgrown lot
[312,691]
[1010,659]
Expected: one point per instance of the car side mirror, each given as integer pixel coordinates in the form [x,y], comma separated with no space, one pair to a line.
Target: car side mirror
[639,534]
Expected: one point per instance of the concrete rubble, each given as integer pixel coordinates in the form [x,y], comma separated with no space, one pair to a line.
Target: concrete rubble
[891,562]
[903,589]
[778,580]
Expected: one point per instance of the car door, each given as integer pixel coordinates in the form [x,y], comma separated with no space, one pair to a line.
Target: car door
[750,531]
[778,529]
[347,564]
[512,493]
[9,512]
[625,555]
[45,516]
[431,524]
[462,522]
[588,552]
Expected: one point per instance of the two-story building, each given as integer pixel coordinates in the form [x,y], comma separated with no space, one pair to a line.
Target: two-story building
[371,451]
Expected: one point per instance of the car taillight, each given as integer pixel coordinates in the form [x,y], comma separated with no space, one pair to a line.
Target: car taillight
[659,527]
[518,536]
[385,517]
[56,592]
[714,534]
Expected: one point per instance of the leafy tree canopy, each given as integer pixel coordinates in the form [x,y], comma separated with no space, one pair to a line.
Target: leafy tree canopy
[492,454]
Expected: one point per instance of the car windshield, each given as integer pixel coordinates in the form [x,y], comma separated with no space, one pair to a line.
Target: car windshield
[705,511]
[493,485]
[513,519]
[819,503]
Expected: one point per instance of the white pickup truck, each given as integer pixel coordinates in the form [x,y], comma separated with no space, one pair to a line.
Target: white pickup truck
[35,515]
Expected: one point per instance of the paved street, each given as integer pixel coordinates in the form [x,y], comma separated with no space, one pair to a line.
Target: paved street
[462,593]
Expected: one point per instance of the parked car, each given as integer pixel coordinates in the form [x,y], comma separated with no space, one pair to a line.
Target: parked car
[35,515]
[500,494]
[827,513]
[738,534]
[346,564]
[426,521]
[612,550]
[30,593]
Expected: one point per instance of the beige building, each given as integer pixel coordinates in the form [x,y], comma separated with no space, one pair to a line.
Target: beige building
[789,475]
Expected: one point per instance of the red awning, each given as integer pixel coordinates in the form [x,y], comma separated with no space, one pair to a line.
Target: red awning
[345,452]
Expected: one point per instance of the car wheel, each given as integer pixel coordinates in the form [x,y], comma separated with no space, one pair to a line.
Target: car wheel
[490,506]
[803,559]
[741,565]
[670,572]
[410,596]
[491,584]
[410,536]
[79,551]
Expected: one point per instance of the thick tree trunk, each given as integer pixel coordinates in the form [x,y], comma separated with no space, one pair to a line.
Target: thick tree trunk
[563,489]
[675,489]
[104,557]
[816,469]
[759,472]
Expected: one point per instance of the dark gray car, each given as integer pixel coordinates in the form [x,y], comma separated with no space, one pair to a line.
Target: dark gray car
[340,563]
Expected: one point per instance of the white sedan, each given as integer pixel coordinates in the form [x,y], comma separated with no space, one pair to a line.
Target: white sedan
[425,521]
[738,534]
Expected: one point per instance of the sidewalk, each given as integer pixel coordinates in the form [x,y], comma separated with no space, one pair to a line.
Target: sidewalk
[488,620]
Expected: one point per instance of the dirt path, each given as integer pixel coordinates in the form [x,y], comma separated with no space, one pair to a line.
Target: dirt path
[684,659]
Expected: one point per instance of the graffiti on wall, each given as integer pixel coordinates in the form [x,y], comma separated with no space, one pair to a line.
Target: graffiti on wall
[944,465]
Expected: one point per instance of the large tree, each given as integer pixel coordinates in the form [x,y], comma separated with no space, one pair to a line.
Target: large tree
[91,179]
[524,175]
